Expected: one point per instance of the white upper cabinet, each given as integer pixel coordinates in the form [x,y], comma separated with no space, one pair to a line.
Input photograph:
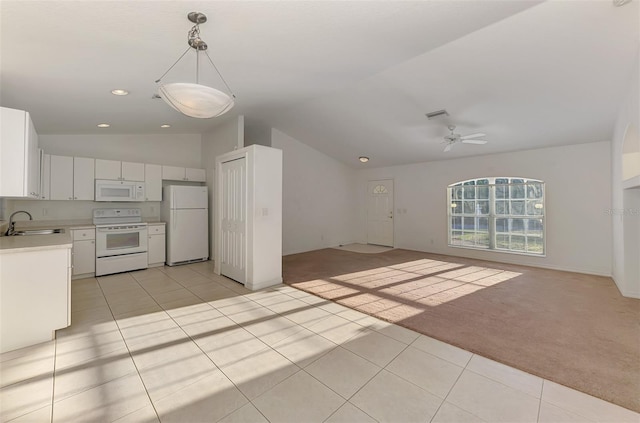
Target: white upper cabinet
[153,182]
[71,178]
[19,155]
[175,173]
[83,185]
[45,177]
[119,171]
[197,175]
[61,180]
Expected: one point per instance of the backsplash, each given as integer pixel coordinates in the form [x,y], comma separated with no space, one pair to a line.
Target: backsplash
[74,210]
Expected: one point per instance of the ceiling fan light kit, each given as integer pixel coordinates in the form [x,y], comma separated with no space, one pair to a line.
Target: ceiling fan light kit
[196,100]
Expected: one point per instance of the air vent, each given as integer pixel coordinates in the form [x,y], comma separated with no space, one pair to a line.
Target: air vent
[618,3]
[437,113]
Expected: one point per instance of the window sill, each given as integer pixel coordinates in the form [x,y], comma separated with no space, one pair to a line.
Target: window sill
[519,253]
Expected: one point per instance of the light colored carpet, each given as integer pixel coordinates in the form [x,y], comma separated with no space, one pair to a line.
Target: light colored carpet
[364,248]
[573,329]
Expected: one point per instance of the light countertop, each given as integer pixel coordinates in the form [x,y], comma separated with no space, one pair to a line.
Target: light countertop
[27,243]
[13,244]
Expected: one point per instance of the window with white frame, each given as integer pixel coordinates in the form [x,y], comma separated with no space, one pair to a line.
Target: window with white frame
[503,214]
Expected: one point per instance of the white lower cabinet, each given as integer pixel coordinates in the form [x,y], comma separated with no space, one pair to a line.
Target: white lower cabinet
[156,245]
[35,296]
[84,252]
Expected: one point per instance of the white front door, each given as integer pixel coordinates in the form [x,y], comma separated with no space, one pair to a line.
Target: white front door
[233,243]
[380,212]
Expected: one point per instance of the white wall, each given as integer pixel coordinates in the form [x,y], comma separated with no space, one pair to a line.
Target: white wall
[256,132]
[578,195]
[225,137]
[318,198]
[626,203]
[167,149]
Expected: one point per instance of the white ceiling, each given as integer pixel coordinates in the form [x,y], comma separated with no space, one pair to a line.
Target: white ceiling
[349,78]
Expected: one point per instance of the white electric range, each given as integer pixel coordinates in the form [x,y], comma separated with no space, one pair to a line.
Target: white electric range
[121,241]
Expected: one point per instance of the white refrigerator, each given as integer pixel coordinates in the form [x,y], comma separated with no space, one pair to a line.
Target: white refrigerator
[185,210]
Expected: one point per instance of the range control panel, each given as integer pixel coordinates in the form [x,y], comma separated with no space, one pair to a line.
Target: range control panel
[105,216]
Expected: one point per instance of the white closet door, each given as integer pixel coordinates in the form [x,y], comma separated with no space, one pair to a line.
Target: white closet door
[233,260]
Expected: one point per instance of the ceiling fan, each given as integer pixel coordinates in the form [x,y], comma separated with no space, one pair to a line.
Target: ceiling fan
[453,138]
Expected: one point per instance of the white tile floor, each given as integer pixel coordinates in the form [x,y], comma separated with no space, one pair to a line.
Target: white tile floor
[182,344]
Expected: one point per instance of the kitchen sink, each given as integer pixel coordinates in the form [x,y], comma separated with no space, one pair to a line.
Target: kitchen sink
[38,232]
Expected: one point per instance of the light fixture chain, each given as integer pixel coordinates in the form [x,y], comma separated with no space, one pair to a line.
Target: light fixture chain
[219,74]
[176,62]
[197,66]
[194,34]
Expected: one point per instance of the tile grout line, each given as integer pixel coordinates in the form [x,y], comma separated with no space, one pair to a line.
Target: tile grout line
[502,383]
[451,389]
[348,400]
[300,369]
[411,344]
[53,376]
[199,348]
[540,402]
[128,350]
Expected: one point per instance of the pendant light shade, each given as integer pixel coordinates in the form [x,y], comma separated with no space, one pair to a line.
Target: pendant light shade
[194,100]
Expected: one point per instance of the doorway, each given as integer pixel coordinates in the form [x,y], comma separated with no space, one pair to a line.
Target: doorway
[380,212]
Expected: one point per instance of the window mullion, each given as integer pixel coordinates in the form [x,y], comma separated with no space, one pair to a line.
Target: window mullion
[492,216]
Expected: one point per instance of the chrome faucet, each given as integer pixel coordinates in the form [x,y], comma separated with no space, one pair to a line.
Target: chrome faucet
[12,224]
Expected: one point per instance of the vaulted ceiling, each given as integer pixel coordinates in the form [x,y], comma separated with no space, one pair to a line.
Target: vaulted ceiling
[348,78]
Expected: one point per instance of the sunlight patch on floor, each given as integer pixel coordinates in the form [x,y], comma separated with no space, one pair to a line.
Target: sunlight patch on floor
[413,285]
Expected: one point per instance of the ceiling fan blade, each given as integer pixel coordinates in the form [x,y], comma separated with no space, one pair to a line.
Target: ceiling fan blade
[474,141]
[478,135]
[448,147]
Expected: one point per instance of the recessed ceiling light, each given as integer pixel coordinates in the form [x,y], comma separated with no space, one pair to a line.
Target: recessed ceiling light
[103,125]
[119,92]
[363,159]
[166,125]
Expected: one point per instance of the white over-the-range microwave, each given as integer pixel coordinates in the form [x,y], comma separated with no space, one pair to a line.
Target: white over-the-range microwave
[107,190]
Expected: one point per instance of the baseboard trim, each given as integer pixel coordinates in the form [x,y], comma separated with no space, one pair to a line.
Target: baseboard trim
[509,260]
[264,284]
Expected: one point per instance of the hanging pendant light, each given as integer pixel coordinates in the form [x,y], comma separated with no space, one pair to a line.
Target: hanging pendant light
[196,100]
